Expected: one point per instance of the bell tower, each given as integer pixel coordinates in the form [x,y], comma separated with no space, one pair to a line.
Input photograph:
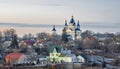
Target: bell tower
[54,30]
[78,31]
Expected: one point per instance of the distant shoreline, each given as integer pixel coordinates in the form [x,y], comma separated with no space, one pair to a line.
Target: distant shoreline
[22,29]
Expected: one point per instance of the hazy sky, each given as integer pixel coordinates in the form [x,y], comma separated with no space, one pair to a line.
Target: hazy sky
[56,11]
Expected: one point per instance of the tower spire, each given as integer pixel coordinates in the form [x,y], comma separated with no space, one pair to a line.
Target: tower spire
[72,21]
[78,23]
[78,31]
[66,23]
[53,28]
[72,16]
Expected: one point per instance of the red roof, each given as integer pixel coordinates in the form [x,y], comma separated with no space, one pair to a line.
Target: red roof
[13,56]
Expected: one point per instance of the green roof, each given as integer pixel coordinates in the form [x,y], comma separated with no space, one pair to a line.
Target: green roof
[58,49]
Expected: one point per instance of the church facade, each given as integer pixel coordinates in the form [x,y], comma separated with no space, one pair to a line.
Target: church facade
[72,29]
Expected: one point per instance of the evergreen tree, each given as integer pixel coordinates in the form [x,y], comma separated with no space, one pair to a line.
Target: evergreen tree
[64,35]
[14,43]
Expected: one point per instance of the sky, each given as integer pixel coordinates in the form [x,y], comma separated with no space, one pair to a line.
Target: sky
[56,11]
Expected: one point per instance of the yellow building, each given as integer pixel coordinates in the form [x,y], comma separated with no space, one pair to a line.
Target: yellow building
[57,56]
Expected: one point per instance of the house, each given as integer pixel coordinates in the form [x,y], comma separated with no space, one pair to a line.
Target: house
[81,58]
[7,43]
[68,54]
[85,59]
[92,51]
[66,51]
[15,58]
[87,51]
[30,42]
[56,55]
[72,58]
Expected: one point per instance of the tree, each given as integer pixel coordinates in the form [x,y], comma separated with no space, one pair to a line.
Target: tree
[38,51]
[64,35]
[56,39]
[12,31]
[43,35]
[14,43]
[9,33]
[0,36]
[90,42]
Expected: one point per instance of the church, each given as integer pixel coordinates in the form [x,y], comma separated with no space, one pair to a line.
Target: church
[72,29]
